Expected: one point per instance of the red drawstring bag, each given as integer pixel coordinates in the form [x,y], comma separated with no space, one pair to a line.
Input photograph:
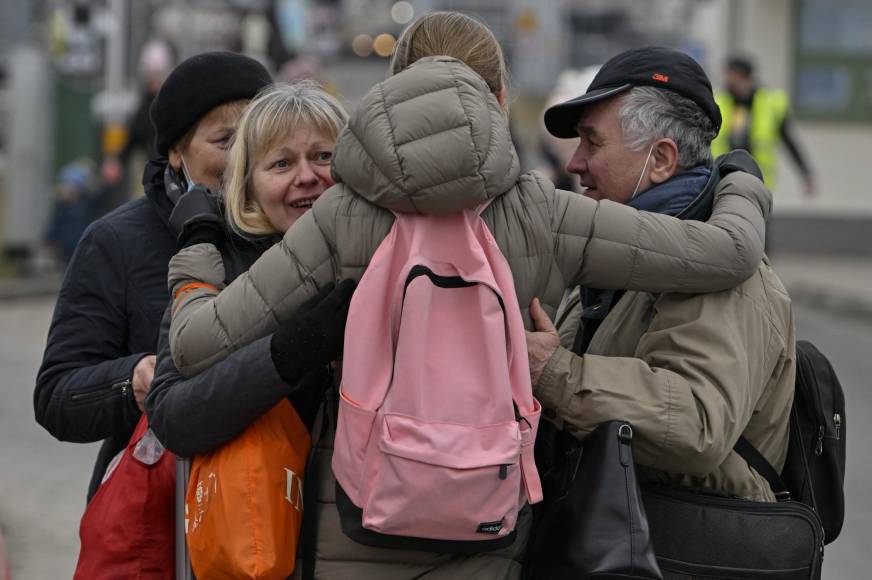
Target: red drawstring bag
[128,530]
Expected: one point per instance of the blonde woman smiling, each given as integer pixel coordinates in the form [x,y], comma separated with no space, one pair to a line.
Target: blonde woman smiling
[279,164]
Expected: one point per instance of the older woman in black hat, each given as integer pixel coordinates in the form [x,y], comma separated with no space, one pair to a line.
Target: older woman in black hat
[99,358]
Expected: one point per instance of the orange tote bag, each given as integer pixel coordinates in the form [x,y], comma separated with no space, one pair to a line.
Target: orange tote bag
[244,504]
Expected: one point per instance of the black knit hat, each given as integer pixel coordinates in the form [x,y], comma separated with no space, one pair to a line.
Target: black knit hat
[653,66]
[198,85]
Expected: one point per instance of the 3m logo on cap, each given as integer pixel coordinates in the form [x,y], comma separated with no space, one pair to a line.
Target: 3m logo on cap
[660,77]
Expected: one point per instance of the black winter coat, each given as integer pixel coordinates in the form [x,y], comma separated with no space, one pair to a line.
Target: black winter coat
[195,415]
[106,319]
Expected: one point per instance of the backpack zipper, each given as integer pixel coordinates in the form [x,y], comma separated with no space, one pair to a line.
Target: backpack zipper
[837,433]
[103,390]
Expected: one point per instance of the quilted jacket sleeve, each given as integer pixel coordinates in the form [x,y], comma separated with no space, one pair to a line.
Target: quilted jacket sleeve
[613,246]
[208,325]
[197,414]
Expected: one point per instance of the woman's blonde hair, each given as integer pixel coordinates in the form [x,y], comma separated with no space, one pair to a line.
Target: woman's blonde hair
[275,113]
[456,35]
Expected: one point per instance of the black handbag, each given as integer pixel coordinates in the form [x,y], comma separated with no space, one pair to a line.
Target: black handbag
[704,535]
[594,524]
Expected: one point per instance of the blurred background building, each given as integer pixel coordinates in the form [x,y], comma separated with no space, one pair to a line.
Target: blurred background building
[72,78]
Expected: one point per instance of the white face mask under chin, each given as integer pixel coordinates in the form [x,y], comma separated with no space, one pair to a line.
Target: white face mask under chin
[642,174]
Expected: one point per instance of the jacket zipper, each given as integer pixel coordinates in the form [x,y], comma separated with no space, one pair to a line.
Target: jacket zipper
[123,386]
[570,306]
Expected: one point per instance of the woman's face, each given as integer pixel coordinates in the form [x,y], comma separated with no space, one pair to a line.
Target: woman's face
[205,156]
[290,177]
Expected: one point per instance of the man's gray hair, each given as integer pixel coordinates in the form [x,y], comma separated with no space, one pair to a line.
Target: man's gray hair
[649,113]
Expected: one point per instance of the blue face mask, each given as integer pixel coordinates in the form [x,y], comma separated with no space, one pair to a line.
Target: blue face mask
[186,173]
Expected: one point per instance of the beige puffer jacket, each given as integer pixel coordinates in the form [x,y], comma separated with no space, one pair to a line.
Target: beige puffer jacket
[433,139]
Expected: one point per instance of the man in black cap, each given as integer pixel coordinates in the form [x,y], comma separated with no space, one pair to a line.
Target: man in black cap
[693,373]
[99,358]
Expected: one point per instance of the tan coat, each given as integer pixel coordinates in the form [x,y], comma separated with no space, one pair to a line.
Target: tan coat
[433,139]
[691,373]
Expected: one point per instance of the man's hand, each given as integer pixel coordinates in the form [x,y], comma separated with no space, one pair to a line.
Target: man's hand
[542,343]
[143,374]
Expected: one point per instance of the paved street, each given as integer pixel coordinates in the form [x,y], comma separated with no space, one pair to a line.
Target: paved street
[43,482]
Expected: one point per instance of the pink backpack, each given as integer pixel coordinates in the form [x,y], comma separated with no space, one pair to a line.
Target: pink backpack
[436,424]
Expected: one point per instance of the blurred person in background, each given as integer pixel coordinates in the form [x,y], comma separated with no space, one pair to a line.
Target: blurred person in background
[155,64]
[756,118]
[75,207]
[692,373]
[99,358]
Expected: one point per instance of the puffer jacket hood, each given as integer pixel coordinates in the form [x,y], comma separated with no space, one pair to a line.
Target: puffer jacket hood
[432,139]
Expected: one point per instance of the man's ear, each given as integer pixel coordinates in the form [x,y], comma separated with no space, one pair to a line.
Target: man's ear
[664,161]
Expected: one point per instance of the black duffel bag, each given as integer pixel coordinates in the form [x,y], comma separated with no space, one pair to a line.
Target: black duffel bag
[704,535]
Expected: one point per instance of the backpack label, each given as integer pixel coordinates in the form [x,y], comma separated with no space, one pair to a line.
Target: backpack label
[490,527]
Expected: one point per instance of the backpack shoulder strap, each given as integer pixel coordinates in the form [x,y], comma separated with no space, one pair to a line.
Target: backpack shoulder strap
[756,460]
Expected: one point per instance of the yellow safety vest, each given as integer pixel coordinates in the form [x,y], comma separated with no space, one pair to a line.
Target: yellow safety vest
[768,110]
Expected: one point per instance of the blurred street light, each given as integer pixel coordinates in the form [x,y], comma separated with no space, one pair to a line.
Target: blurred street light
[384,44]
[362,45]
[402,12]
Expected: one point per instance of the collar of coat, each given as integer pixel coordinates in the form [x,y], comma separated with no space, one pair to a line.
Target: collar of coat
[155,187]
[431,139]
[675,194]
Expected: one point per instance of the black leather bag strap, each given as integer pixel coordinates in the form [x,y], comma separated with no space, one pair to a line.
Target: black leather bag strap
[756,460]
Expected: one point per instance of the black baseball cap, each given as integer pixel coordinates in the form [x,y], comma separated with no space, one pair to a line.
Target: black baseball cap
[653,66]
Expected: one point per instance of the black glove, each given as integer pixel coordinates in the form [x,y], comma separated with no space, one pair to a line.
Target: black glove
[308,395]
[314,335]
[197,218]
[738,160]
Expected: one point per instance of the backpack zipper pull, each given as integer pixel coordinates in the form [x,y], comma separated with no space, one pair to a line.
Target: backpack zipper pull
[504,471]
[819,447]
[837,421]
